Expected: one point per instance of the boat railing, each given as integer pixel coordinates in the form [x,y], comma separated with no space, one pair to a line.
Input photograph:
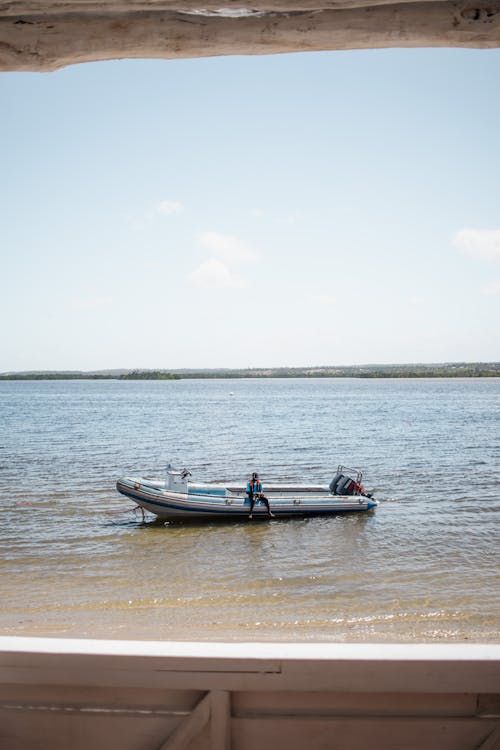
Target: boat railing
[355,474]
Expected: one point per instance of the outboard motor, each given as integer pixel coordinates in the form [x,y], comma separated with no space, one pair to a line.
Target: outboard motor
[346,486]
[335,481]
[343,484]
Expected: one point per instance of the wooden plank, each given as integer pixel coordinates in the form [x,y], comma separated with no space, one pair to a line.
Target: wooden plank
[379,675]
[81,696]
[220,725]
[333,676]
[53,730]
[272,667]
[190,727]
[488,705]
[314,703]
[24,7]
[29,730]
[492,742]
[70,37]
[360,733]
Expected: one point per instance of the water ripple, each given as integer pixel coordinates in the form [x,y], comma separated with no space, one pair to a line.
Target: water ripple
[75,558]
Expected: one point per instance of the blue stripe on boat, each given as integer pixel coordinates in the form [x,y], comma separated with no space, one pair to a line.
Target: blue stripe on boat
[216,491]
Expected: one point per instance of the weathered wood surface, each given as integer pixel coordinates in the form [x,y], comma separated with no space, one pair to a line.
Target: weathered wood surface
[46,35]
[201,696]
[271,667]
[14,7]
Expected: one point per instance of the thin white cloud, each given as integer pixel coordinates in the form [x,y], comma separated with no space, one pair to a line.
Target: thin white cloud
[91,303]
[491,289]
[479,243]
[214,274]
[293,218]
[226,246]
[167,208]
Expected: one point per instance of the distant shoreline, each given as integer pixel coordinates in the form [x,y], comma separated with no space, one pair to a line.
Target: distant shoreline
[446,370]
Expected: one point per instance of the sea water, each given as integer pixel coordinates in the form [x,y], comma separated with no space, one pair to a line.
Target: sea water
[78,560]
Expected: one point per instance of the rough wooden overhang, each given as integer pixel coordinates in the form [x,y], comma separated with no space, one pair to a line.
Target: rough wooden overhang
[48,34]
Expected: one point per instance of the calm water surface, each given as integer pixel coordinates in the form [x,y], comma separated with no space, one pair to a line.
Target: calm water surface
[77,560]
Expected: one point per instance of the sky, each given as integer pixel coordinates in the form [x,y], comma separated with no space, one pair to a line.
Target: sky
[304,209]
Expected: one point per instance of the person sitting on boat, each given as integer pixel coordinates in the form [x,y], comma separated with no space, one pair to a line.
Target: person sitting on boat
[254,492]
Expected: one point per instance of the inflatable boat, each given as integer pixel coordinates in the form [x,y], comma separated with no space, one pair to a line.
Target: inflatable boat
[177,498]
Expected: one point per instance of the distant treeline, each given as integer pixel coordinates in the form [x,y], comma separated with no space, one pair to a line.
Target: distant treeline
[461,370]
[148,375]
[447,370]
[133,375]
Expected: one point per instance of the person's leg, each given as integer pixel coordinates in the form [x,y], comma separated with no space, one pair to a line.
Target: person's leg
[266,501]
[252,503]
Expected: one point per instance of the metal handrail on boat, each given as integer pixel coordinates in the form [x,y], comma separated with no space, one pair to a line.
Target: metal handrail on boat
[348,471]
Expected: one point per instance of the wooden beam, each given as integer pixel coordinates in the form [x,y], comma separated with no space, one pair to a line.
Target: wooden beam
[214,707]
[50,40]
[220,724]
[492,741]
[33,7]
[190,727]
[344,667]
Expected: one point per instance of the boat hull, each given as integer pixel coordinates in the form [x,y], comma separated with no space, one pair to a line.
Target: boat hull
[224,504]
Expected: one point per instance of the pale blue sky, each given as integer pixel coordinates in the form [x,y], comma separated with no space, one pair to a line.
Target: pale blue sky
[306,209]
